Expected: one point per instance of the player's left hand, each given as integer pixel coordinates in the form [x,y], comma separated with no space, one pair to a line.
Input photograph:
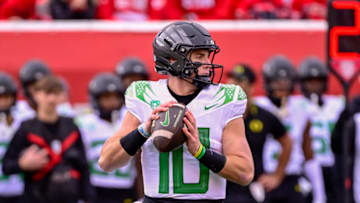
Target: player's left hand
[269,181]
[191,132]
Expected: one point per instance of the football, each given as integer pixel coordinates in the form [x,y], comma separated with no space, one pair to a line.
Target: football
[166,132]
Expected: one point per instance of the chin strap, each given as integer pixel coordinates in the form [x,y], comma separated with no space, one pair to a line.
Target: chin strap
[199,81]
[110,115]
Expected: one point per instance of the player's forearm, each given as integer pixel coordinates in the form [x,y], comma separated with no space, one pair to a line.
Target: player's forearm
[113,155]
[306,145]
[238,169]
[286,145]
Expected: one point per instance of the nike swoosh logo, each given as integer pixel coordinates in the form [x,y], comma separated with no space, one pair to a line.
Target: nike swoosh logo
[165,123]
[209,107]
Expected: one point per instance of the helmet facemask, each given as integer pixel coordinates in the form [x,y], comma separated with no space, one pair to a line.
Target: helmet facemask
[313,88]
[184,67]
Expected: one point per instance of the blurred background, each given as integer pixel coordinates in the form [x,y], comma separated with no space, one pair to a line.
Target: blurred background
[79,39]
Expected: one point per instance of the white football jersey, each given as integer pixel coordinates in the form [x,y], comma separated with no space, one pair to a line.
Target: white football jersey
[95,131]
[9,185]
[294,119]
[178,174]
[323,119]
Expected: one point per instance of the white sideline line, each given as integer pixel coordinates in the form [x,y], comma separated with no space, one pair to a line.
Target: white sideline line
[155,26]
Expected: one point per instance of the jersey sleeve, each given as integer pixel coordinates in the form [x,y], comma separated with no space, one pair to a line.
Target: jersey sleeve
[237,106]
[133,103]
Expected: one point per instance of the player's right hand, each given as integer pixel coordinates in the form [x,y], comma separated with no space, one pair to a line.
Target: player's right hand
[154,114]
[33,159]
[191,132]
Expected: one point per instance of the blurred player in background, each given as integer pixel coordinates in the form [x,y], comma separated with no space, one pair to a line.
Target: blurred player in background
[106,93]
[131,69]
[216,146]
[11,187]
[259,123]
[64,107]
[325,110]
[280,77]
[29,74]
[352,131]
[49,151]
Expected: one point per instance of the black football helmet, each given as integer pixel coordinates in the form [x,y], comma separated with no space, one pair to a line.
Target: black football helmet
[131,65]
[177,41]
[312,68]
[31,72]
[276,68]
[7,86]
[104,83]
[242,71]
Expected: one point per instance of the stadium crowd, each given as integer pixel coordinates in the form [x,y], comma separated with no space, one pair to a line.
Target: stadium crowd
[141,10]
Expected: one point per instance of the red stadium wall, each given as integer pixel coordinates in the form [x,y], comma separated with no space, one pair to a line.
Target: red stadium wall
[78,52]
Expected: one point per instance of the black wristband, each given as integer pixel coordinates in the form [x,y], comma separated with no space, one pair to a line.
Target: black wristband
[132,142]
[214,161]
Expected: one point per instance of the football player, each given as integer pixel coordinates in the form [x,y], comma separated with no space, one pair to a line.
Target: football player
[11,187]
[279,77]
[216,148]
[352,131]
[259,124]
[106,94]
[131,69]
[29,74]
[325,110]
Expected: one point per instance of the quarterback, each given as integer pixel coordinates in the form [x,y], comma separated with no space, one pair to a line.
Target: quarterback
[216,148]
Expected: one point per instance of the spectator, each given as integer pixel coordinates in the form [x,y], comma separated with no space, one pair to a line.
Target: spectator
[11,187]
[129,10]
[17,9]
[164,10]
[310,9]
[49,151]
[138,10]
[205,9]
[72,9]
[262,9]
[42,9]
